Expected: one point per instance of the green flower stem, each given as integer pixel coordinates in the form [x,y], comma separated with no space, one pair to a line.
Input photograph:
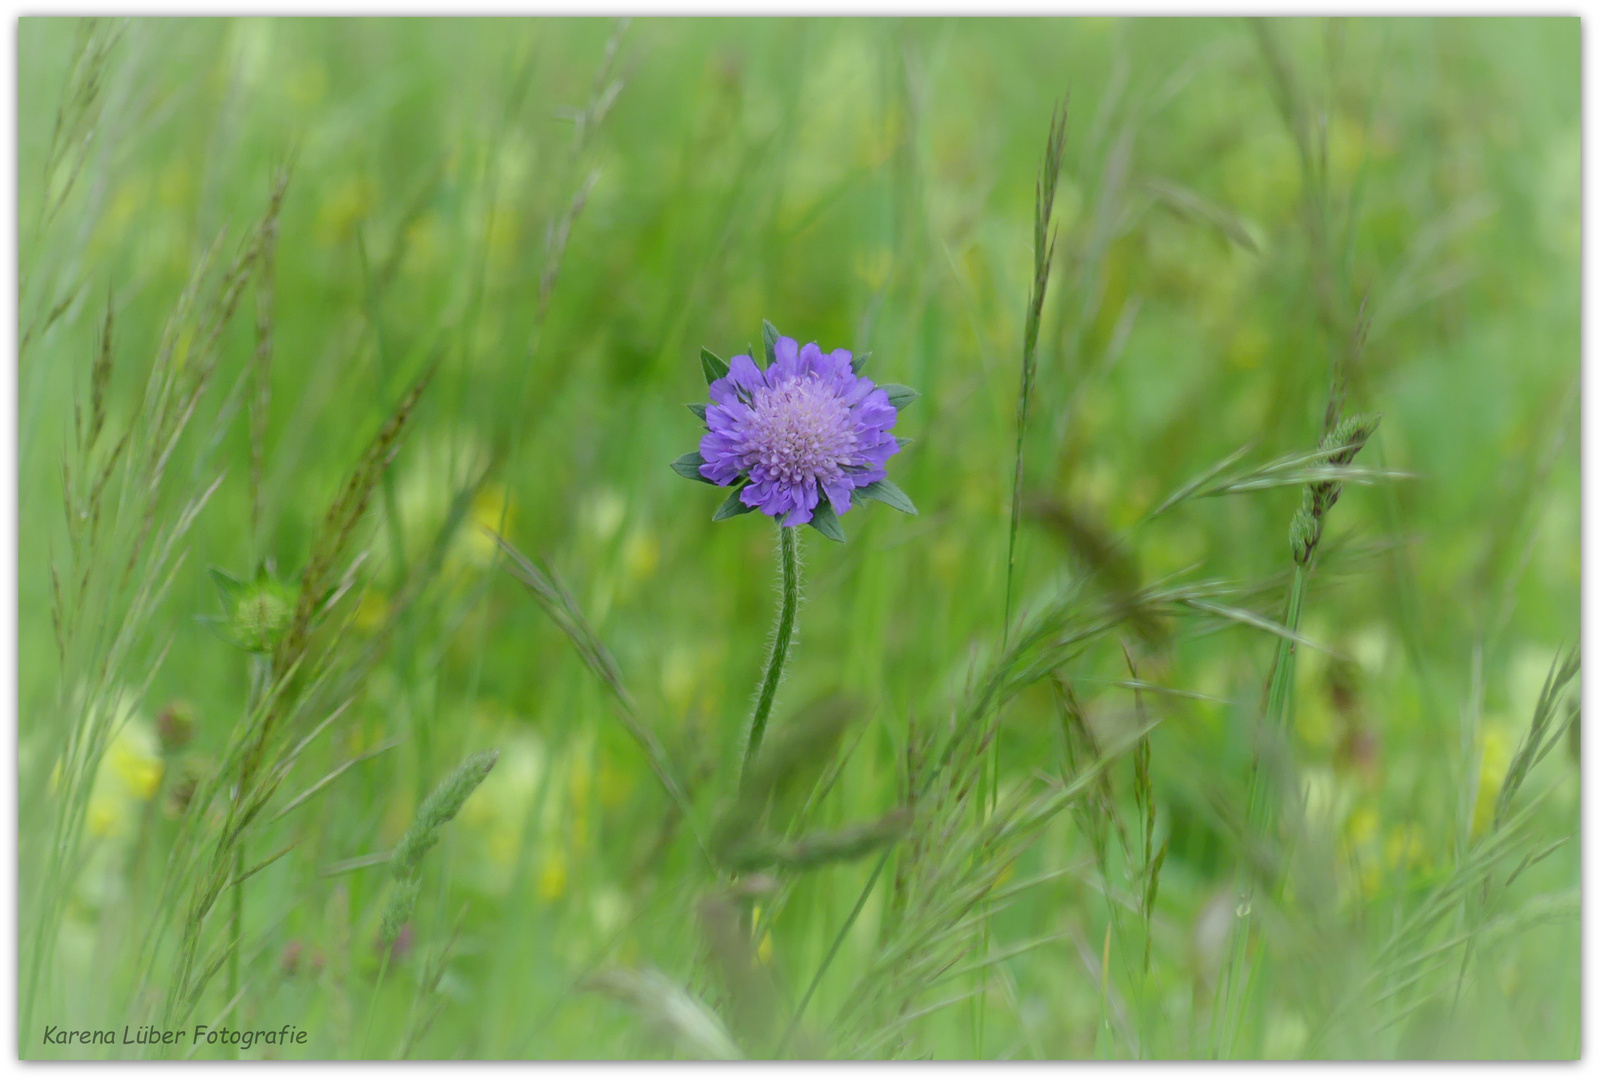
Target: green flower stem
[774,664]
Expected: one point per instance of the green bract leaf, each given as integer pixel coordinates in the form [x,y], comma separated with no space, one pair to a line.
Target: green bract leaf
[898,396]
[229,586]
[769,336]
[859,363]
[824,521]
[689,465]
[887,492]
[714,368]
[698,408]
[731,507]
[216,626]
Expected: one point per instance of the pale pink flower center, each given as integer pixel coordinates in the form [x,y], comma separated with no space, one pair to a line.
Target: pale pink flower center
[801,431]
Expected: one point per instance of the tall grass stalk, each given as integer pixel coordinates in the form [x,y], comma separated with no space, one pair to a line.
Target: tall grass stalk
[1043,259]
[1271,747]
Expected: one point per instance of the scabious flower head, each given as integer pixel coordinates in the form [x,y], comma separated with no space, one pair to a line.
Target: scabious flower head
[805,429]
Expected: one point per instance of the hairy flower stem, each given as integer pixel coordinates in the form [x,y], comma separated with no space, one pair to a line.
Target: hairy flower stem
[774,665]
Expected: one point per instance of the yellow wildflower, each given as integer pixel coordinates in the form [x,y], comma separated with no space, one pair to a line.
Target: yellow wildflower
[129,774]
[552,877]
[1496,752]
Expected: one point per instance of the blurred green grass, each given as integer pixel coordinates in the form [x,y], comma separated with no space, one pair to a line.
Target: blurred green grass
[866,184]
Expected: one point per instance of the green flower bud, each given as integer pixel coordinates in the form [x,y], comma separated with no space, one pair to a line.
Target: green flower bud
[259,618]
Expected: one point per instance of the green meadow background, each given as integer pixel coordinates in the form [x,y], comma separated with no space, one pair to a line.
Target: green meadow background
[557,215]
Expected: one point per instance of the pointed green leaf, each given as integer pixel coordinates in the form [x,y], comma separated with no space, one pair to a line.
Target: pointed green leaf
[824,521]
[859,363]
[229,586]
[689,465]
[714,368]
[219,627]
[698,408]
[732,507]
[769,336]
[898,396]
[887,492]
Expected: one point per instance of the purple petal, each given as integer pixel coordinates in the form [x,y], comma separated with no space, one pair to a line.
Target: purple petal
[879,453]
[756,494]
[810,359]
[786,366]
[838,493]
[721,473]
[861,389]
[742,374]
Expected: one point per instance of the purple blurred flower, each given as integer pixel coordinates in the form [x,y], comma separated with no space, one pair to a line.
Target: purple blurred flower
[805,429]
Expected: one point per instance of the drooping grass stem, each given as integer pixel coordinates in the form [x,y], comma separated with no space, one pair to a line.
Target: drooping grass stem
[789,554]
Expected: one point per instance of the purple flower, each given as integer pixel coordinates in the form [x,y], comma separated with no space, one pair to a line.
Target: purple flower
[805,430]
[800,440]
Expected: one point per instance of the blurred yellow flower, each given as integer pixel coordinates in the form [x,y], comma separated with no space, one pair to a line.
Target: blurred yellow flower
[1405,848]
[371,611]
[137,766]
[347,205]
[129,774]
[492,508]
[552,876]
[1496,752]
[1361,827]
